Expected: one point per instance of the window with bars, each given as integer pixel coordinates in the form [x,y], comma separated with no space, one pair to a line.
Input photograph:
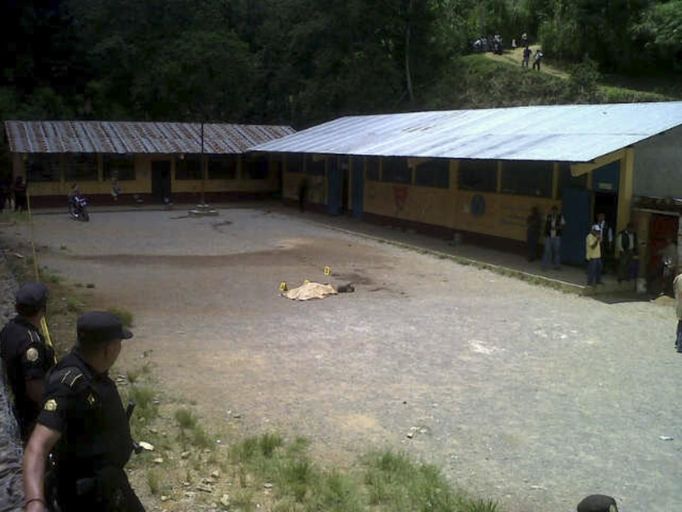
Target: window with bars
[81,167]
[396,170]
[527,178]
[478,175]
[43,168]
[222,167]
[257,168]
[188,168]
[120,167]
[433,173]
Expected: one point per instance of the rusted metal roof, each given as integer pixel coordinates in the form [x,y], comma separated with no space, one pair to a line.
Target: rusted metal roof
[133,137]
[571,133]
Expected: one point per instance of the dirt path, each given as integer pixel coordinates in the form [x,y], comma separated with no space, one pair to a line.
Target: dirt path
[523,394]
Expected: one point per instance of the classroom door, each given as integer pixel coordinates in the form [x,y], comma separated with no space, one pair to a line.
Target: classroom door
[357,164]
[334,186]
[161,180]
[576,207]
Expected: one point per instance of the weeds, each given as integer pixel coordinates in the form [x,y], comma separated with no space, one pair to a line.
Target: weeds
[73,305]
[153,481]
[190,430]
[134,374]
[125,316]
[186,419]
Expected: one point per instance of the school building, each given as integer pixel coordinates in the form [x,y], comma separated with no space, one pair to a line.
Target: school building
[477,173]
[151,162]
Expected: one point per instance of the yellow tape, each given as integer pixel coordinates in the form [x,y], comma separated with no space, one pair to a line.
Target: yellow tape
[36,269]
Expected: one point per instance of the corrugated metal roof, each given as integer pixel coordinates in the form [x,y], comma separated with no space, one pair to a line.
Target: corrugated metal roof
[129,137]
[572,133]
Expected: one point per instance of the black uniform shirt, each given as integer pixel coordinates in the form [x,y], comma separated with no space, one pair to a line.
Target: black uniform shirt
[86,408]
[26,357]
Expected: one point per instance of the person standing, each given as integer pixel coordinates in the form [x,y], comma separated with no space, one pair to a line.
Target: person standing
[626,252]
[554,224]
[537,59]
[593,256]
[4,190]
[533,227]
[677,286]
[524,40]
[26,356]
[19,192]
[606,239]
[84,425]
[526,57]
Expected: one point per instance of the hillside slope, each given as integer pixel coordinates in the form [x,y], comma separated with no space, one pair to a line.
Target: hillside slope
[486,80]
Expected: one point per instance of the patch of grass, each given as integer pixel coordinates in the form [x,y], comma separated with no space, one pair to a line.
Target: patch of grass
[200,438]
[51,277]
[154,482]
[242,500]
[73,305]
[186,419]
[125,316]
[190,430]
[134,374]
[268,443]
[397,483]
[143,396]
[90,285]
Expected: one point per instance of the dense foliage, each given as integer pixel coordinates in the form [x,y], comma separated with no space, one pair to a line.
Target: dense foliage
[300,61]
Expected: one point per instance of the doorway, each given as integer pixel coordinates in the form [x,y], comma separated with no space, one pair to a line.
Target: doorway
[607,204]
[161,181]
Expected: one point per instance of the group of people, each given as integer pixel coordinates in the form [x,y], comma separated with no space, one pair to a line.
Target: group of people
[537,57]
[72,422]
[489,44]
[600,245]
[13,194]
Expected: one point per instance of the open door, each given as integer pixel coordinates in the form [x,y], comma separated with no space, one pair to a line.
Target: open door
[577,206]
[161,180]
[357,165]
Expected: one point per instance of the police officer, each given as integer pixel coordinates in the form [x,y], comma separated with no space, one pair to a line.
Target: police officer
[26,356]
[598,503]
[84,425]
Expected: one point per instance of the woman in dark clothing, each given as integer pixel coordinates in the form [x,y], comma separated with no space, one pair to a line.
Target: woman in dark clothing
[533,226]
[19,189]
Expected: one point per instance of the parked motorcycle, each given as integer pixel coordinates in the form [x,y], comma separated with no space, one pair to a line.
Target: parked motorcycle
[79,209]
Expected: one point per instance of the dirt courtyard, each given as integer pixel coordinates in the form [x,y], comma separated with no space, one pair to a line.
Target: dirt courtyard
[520,393]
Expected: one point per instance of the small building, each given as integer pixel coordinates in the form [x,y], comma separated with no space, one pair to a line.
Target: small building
[478,173]
[152,162]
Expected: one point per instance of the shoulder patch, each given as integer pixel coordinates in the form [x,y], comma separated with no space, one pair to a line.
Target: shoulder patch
[69,377]
[32,354]
[50,405]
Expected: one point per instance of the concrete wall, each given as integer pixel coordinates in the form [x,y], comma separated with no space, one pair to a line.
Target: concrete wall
[658,165]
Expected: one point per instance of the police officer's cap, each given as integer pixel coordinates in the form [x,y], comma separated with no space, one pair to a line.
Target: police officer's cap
[598,503]
[33,295]
[102,327]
